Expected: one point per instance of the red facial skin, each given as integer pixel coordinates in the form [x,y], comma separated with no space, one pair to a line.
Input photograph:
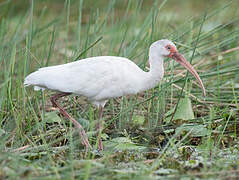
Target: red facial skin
[172,50]
[180,59]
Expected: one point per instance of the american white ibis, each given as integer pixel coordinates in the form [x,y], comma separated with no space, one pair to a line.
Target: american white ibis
[103,77]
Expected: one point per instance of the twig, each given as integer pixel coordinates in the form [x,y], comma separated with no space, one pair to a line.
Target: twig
[204,102]
[194,97]
[226,51]
[21,148]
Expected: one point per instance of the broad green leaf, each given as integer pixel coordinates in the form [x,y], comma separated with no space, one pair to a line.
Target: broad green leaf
[183,112]
[52,117]
[122,143]
[194,130]
[138,120]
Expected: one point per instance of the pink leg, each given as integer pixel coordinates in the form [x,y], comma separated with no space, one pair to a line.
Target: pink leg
[82,133]
[99,128]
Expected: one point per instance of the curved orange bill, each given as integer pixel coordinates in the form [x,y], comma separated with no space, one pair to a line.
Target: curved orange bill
[180,59]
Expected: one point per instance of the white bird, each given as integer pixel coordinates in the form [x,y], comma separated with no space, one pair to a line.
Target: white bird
[103,77]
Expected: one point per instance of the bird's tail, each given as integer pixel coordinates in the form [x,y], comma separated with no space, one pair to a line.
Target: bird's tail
[29,80]
[33,79]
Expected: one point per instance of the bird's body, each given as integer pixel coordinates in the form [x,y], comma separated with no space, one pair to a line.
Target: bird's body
[103,77]
[98,78]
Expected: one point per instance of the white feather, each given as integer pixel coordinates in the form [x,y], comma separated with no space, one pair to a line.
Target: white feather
[99,78]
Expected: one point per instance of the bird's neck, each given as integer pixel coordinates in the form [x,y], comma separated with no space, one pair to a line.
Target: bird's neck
[156,67]
[155,74]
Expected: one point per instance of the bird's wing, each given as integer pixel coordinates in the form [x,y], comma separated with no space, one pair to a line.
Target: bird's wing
[88,77]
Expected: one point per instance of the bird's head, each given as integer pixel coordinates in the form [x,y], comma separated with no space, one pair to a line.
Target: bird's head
[167,48]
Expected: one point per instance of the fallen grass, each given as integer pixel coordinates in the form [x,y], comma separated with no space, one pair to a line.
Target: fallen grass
[140,139]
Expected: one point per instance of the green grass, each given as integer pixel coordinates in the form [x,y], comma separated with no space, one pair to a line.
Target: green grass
[141,137]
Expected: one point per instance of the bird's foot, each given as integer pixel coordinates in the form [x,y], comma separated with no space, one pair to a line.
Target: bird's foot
[82,133]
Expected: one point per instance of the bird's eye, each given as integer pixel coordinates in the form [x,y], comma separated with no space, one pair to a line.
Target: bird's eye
[168,47]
